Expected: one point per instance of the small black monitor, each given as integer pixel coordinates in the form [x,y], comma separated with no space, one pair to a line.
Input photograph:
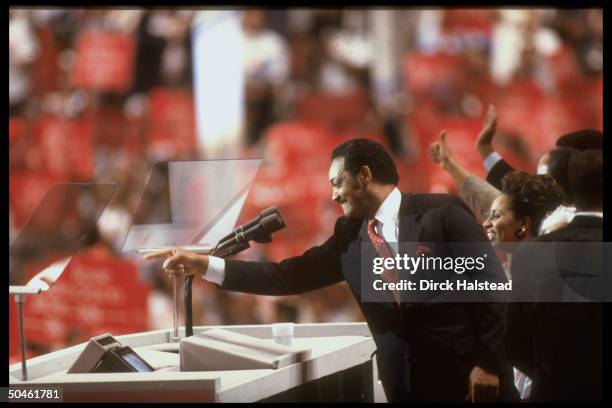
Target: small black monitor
[132,359]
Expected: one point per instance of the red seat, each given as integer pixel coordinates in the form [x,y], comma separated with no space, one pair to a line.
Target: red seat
[171,123]
[104,61]
[17,128]
[557,116]
[433,74]
[457,21]
[565,71]
[66,146]
[516,105]
[337,111]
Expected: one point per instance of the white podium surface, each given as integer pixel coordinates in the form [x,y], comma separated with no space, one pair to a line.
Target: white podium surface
[335,347]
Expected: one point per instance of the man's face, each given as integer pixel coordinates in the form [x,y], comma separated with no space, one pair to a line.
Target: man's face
[347,190]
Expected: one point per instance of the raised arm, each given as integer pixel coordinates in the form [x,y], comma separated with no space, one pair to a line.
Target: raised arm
[477,193]
[316,268]
[484,141]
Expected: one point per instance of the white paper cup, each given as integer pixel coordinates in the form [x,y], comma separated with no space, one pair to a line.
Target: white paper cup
[283,333]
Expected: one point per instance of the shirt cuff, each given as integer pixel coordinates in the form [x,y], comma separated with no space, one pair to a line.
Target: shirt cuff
[491,160]
[215,272]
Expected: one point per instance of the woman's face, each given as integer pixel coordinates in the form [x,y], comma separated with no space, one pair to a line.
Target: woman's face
[502,226]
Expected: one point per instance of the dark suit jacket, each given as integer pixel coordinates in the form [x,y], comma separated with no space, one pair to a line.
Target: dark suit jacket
[559,345]
[424,351]
[497,172]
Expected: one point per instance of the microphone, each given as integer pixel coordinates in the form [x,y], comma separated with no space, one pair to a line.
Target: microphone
[250,224]
[261,231]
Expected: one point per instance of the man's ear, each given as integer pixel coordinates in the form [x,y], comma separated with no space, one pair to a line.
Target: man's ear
[365,174]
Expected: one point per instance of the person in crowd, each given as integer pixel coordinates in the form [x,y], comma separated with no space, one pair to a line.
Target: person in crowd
[426,352]
[516,213]
[24,48]
[163,50]
[555,163]
[266,69]
[480,194]
[497,167]
[559,345]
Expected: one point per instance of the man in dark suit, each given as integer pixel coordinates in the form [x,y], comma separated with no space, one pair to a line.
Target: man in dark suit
[559,345]
[425,351]
[497,167]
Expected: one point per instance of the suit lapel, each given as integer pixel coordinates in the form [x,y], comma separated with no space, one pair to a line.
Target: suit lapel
[409,231]
[409,228]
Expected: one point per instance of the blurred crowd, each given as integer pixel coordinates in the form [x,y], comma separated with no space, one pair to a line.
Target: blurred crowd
[313,79]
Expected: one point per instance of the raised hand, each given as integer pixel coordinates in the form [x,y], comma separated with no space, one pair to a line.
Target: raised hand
[484,141]
[439,152]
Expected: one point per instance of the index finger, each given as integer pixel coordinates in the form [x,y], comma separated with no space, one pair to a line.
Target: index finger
[159,254]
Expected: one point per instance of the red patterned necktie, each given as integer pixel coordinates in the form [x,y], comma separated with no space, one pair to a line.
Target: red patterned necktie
[383,249]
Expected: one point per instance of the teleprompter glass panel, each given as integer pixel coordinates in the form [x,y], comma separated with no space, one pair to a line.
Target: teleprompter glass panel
[63,223]
[189,203]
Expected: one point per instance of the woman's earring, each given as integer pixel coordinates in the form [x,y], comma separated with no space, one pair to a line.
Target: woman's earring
[520,234]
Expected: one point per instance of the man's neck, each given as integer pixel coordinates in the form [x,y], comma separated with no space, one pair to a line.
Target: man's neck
[380,192]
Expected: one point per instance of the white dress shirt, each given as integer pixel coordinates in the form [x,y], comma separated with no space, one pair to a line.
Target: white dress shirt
[557,219]
[387,226]
[388,219]
[491,160]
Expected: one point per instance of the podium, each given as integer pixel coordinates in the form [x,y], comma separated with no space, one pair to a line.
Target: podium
[339,368]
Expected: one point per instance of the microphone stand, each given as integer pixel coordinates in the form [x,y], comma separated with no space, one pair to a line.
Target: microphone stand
[269,218]
[187,298]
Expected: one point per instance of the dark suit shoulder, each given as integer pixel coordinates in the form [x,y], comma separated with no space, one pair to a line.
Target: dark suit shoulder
[581,229]
[433,199]
[423,202]
[347,228]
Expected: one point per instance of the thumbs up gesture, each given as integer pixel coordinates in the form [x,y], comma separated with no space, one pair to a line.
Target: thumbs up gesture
[439,152]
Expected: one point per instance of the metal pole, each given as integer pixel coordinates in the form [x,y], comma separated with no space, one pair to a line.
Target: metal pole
[19,299]
[175,335]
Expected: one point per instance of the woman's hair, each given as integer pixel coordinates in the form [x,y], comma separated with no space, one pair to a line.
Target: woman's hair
[533,196]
